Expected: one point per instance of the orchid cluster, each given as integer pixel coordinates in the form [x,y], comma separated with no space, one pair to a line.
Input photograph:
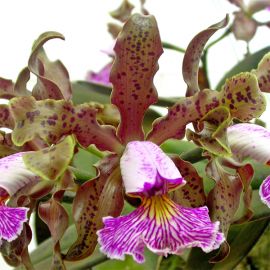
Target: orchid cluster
[174,208]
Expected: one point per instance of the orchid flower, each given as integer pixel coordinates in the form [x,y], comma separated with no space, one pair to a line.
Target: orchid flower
[250,140]
[244,26]
[14,176]
[158,223]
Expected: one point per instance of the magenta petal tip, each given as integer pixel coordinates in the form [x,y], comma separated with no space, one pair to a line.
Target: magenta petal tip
[11,222]
[265,191]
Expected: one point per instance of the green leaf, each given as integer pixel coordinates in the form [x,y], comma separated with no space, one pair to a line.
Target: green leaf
[247,64]
[84,161]
[129,263]
[177,147]
[261,172]
[137,50]
[172,262]
[84,91]
[50,163]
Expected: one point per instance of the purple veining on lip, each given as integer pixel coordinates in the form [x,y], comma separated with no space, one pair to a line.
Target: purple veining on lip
[11,221]
[162,226]
[158,223]
[14,176]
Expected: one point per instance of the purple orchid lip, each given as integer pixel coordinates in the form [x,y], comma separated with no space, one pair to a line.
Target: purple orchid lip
[162,226]
[12,220]
[158,223]
[14,176]
[265,191]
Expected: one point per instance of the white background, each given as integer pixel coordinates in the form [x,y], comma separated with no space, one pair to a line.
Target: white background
[83,23]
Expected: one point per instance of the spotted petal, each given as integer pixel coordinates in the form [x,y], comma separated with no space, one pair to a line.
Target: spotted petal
[14,174]
[161,225]
[265,191]
[144,168]
[249,140]
[11,222]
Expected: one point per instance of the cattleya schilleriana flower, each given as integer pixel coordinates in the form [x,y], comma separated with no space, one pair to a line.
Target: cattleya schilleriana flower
[249,140]
[158,223]
[165,223]
[14,176]
[244,25]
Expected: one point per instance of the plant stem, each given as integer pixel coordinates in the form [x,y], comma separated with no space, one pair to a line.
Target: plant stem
[205,67]
[205,53]
[93,263]
[226,33]
[170,46]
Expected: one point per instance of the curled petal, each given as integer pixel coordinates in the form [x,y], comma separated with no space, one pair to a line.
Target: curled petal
[144,167]
[14,174]
[11,222]
[265,191]
[161,225]
[249,140]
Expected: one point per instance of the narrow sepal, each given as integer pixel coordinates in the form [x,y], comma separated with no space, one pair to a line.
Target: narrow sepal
[193,53]
[94,200]
[137,50]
